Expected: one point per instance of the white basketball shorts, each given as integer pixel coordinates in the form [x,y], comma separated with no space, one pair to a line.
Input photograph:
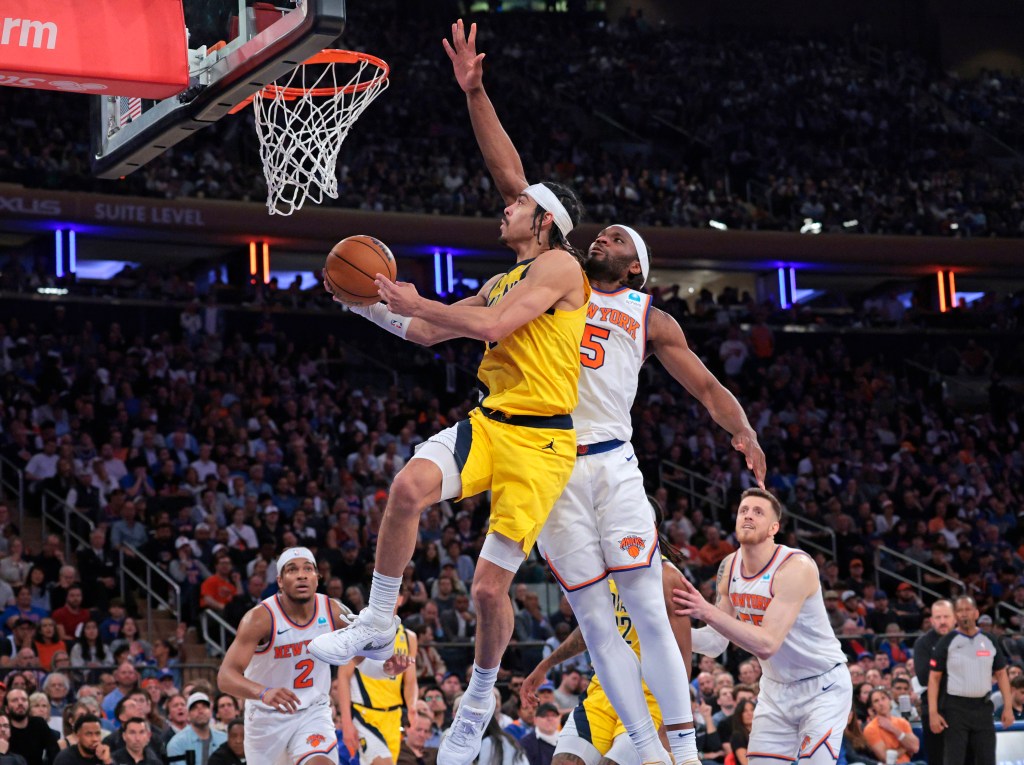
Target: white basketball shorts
[601,523]
[801,721]
[279,739]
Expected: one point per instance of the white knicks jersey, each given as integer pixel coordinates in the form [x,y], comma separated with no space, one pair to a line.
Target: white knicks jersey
[811,647]
[284,661]
[611,354]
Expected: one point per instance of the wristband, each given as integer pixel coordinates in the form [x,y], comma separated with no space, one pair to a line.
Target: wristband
[264,692]
[379,314]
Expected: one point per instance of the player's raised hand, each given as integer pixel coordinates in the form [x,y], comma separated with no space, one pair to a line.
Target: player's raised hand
[467,63]
[689,601]
[401,297]
[281,699]
[746,443]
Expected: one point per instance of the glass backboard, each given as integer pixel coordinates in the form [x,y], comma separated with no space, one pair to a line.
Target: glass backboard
[236,47]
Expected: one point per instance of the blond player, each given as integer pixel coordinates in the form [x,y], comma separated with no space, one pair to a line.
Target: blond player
[769,603]
[287,691]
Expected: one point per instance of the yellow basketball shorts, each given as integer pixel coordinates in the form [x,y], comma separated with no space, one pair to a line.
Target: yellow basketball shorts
[594,725]
[525,462]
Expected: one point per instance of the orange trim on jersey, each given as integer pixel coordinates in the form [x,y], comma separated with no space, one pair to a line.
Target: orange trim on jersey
[643,324]
[277,599]
[273,627]
[771,583]
[572,588]
[772,756]
[816,747]
[330,612]
[316,751]
[732,564]
[766,566]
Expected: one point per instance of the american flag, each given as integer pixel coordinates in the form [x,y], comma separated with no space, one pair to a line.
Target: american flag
[128,109]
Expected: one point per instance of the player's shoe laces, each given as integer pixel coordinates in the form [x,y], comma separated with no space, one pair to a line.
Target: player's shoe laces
[461,745]
[361,638]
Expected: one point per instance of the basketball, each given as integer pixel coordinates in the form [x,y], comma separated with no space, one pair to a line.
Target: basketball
[354,263]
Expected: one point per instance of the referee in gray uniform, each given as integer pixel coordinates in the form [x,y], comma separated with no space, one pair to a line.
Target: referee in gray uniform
[968,658]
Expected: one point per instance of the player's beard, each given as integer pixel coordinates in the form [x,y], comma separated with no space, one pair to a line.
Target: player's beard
[608,268]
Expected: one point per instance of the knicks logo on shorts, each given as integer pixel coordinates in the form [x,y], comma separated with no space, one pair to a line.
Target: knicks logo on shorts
[315,739]
[633,545]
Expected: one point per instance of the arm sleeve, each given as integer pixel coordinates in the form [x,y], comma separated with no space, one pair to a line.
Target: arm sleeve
[708,642]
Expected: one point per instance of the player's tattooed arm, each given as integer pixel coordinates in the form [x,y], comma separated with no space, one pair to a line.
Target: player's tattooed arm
[718,580]
[573,645]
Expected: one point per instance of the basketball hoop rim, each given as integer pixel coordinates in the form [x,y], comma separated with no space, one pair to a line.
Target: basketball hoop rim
[326,56]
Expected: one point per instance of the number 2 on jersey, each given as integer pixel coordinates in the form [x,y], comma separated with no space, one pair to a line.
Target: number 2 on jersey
[591,350]
[304,680]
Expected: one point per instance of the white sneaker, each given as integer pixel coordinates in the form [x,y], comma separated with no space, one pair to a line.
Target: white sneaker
[461,744]
[360,638]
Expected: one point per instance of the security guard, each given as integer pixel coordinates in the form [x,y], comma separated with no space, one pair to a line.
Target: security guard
[968,658]
[943,621]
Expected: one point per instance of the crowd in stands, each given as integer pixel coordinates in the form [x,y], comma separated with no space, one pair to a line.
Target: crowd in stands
[208,452]
[652,125]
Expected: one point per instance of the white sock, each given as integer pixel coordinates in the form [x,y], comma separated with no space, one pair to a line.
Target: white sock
[645,739]
[481,687]
[684,745]
[384,598]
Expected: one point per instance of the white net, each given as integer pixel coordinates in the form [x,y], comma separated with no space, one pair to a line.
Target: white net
[302,123]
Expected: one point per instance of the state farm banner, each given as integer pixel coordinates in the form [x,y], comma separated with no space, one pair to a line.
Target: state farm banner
[133,48]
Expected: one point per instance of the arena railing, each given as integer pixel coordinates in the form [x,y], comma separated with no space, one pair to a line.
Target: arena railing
[69,521]
[917,571]
[216,640]
[700,489]
[144,579]
[807,531]
[12,484]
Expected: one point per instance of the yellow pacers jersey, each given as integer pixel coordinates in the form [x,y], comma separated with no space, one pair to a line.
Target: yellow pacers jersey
[536,369]
[377,699]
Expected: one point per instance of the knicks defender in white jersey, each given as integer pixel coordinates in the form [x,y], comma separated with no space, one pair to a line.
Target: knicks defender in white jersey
[288,717]
[602,523]
[769,603]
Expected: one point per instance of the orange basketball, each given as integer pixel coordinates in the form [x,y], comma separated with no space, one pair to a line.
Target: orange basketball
[354,263]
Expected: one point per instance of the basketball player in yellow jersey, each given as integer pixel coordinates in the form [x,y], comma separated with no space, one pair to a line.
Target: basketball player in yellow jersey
[286,691]
[519,443]
[371,702]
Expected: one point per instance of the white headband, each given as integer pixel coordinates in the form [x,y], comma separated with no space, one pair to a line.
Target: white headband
[546,198]
[641,251]
[294,553]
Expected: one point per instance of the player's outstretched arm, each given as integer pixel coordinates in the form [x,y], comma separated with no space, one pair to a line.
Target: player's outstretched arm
[705,640]
[667,342]
[553,277]
[795,581]
[255,628]
[499,152]
[422,332]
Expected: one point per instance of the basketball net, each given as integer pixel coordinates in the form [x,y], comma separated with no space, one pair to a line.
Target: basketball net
[302,123]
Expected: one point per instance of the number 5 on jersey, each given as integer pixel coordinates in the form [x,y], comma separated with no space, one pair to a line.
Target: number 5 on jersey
[591,350]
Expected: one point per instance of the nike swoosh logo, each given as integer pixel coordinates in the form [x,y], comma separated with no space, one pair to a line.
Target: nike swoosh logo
[827,687]
[281,632]
[630,458]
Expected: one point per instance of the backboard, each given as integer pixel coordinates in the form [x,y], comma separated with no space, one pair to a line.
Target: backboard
[236,47]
